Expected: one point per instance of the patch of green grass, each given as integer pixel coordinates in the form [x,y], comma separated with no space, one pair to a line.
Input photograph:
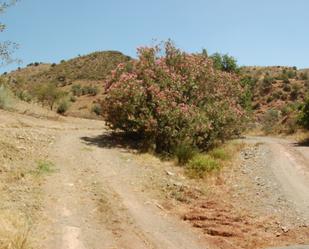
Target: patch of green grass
[201,164]
[45,167]
[220,153]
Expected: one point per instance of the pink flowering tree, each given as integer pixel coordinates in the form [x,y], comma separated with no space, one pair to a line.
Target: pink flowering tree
[171,97]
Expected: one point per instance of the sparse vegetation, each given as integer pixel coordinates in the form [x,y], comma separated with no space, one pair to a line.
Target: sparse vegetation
[97,109]
[201,164]
[184,152]
[6,97]
[48,94]
[63,106]
[14,231]
[44,167]
[304,114]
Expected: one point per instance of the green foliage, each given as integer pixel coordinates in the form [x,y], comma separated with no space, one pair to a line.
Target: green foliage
[184,152]
[270,119]
[224,62]
[63,106]
[174,97]
[77,90]
[304,76]
[44,167]
[97,109]
[220,153]
[295,91]
[291,74]
[24,95]
[248,83]
[202,164]
[48,94]
[303,118]
[267,84]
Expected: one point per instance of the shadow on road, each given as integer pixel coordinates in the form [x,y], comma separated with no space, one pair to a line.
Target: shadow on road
[114,140]
[302,143]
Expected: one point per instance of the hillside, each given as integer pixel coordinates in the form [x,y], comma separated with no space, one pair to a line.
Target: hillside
[85,74]
[277,93]
[277,87]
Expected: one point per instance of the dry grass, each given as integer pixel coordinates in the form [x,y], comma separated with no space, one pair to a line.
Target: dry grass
[14,231]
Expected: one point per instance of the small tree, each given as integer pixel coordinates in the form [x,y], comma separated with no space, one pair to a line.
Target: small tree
[48,94]
[224,62]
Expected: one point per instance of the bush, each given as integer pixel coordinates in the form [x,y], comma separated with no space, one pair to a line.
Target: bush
[220,153]
[295,92]
[270,119]
[173,98]
[304,114]
[77,90]
[63,106]
[184,153]
[48,94]
[267,84]
[224,62]
[5,97]
[97,109]
[24,96]
[202,164]
[287,88]
[304,76]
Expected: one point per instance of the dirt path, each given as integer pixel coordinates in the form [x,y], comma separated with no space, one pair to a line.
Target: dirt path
[100,195]
[289,163]
[94,201]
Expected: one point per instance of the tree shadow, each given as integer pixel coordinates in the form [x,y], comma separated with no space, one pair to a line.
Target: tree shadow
[302,143]
[115,140]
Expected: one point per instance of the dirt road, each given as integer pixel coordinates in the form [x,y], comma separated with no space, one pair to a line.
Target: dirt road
[97,194]
[289,163]
[94,200]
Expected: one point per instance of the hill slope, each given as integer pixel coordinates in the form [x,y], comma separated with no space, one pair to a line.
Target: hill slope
[85,74]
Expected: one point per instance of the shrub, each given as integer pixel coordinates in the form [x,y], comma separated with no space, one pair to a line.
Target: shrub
[303,118]
[24,96]
[48,94]
[224,62]
[267,84]
[172,98]
[202,164]
[291,74]
[220,153]
[287,88]
[63,106]
[295,91]
[5,97]
[270,119]
[303,76]
[97,109]
[76,90]
[184,152]
[73,99]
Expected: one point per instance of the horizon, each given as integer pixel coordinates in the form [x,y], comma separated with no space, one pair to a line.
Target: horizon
[256,33]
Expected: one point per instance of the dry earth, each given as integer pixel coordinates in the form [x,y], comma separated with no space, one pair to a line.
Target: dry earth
[97,192]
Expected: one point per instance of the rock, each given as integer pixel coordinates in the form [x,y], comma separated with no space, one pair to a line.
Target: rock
[169,173]
[285,229]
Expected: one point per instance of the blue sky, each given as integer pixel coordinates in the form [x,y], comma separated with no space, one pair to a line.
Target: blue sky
[256,32]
